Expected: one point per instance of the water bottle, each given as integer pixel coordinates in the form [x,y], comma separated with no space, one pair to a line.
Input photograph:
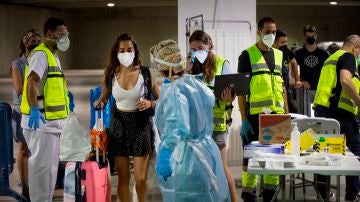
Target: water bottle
[295,140]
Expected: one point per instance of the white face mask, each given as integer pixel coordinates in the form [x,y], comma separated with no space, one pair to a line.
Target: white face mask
[63,43]
[201,55]
[126,58]
[268,40]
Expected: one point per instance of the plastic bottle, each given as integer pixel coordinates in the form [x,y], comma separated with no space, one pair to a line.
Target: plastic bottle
[295,140]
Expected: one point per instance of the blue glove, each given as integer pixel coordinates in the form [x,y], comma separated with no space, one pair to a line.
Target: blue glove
[34,117]
[245,129]
[71,101]
[163,166]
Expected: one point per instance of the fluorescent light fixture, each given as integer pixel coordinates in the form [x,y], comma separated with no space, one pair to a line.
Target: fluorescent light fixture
[333,3]
[110,4]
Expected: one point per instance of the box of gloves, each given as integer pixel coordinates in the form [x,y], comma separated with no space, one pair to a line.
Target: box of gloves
[255,147]
[274,128]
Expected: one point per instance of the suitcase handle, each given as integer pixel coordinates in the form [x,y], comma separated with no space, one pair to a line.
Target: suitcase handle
[99,126]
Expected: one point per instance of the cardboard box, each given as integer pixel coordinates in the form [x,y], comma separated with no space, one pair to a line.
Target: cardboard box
[333,144]
[274,128]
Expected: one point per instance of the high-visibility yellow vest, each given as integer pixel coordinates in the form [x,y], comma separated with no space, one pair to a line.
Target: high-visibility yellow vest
[345,102]
[52,89]
[328,82]
[266,87]
[219,121]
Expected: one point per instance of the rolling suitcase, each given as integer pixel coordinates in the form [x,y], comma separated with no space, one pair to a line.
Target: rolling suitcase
[6,152]
[72,182]
[95,175]
[90,180]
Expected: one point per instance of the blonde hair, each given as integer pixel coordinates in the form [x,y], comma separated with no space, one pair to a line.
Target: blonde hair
[166,57]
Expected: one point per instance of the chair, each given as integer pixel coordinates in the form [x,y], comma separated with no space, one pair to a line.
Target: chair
[320,126]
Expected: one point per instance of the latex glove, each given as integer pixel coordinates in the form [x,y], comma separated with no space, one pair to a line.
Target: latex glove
[34,117]
[163,167]
[71,101]
[245,129]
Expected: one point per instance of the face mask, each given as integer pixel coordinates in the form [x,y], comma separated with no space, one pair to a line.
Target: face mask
[268,40]
[31,47]
[283,48]
[200,55]
[126,59]
[310,40]
[63,43]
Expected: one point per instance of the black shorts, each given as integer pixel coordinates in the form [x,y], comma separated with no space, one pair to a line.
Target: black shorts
[16,127]
[130,134]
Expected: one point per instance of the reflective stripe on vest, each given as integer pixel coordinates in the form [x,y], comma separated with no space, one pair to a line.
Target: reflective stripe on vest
[328,81]
[219,120]
[52,90]
[266,87]
[345,102]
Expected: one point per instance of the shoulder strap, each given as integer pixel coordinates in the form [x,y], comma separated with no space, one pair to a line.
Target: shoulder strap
[145,71]
[109,83]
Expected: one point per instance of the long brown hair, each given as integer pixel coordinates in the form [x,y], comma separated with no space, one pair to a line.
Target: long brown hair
[114,63]
[209,64]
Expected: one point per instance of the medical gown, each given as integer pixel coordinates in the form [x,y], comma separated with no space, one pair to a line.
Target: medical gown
[184,116]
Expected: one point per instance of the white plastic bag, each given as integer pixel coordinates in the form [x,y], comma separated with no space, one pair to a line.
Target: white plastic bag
[74,140]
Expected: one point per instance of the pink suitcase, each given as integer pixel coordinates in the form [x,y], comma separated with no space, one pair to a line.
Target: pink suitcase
[95,179]
[95,175]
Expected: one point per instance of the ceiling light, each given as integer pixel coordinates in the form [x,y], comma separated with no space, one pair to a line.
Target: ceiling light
[110,4]
[333,3]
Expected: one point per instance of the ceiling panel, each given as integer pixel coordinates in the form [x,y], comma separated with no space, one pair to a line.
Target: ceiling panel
[63,4]
[91,3]
[307,2]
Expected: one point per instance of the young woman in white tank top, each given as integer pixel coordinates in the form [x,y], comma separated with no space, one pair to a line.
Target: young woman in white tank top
[130,132]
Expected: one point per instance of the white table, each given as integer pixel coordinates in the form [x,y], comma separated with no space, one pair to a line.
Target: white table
[350,166]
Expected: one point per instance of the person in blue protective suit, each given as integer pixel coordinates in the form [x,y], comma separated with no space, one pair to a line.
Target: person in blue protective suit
[188,164]
[206,65]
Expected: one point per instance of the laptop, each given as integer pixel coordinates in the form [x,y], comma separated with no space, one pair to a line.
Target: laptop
[239,83]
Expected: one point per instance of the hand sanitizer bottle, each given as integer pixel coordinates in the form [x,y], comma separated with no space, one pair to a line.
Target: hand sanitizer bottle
[295,140]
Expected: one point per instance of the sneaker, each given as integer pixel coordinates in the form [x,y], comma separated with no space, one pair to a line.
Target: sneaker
[332,196]
[355,199]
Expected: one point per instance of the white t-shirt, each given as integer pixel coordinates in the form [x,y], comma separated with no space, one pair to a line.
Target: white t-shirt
[38,63]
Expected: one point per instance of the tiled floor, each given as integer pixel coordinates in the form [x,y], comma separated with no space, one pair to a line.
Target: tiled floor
[79,83]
